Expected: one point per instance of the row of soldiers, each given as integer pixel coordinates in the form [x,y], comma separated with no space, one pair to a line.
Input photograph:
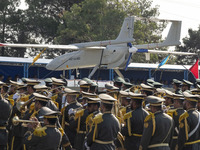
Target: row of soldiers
[121,116]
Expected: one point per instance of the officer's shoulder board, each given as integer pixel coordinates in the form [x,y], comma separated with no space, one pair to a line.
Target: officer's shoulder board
[149,117]
[183,116]
[40,131]
[171,112]
[128,115]
[79,113]
[98,118]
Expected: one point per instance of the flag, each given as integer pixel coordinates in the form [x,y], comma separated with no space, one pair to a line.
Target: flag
[164,61]
[37,57]
[195,69]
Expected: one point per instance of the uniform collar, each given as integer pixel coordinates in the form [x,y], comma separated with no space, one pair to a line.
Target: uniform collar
[157,112]
[191,109]
[72,102]
[107,112]
[179,108]
[50,126]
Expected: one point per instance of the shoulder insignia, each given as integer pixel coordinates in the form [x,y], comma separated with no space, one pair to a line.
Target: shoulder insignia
[56,103]
[79,113]
[183,116]
[146,124]
[149,117]
[40,131]
[11,101]
[53,98]
[32,107]
[25,98]
[29,137]
[181,125]
[172,112]
[89,117]
[128,115]
[98,118]
[123,110]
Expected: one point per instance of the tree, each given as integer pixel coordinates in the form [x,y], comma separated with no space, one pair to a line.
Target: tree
[94,20]
[190,44]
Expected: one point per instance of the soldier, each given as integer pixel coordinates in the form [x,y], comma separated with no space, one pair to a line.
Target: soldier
[175,114]
[5,112]
[47,137]
[57,94]
[43,89]
[80,121]
[186,85]
[177,86]
[189,133]
[169,101]
[134,122]
[68,110]
[158,127]
[105,126]
[146,90]
[150,82]
[118,82]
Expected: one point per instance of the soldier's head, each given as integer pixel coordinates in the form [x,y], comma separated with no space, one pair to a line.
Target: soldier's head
[71,95]
[30,84]
[136,100]
[176,84]
[146,89]
[168,98]
[85,96]
[186,85]
[107,102]
[178,100]
[93,104]
[57,85]
[125,98]
[51,117]
[190,100]
[84,86]
[155,103]
[40,100]
[118,82]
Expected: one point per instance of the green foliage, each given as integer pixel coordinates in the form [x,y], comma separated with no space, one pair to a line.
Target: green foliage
[191,44]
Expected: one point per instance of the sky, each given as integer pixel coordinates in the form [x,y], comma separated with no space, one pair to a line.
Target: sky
[187,11]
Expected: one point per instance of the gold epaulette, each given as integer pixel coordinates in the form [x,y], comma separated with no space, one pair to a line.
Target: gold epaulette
[123,110]
[53,98]
[128,115]
[12,102]
[149,117]
[171,112]
[25,98]
[183,116]
[40,131]
[56,103]
[89,117]
[79,113]
[32,107]
[98,118]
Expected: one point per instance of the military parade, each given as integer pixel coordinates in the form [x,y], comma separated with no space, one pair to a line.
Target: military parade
[141,117]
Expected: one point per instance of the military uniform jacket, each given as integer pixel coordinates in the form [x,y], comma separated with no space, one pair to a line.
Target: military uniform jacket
[188,122]
[45,138]
[78,123]
[103,132]
[5,112]
[65,121]
[134,123]
[158,131]
[175,114]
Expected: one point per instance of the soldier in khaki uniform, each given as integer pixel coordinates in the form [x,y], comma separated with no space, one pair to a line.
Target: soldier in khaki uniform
[134,122]
[47,137]
[189,133]
[158,127]
[105,126]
